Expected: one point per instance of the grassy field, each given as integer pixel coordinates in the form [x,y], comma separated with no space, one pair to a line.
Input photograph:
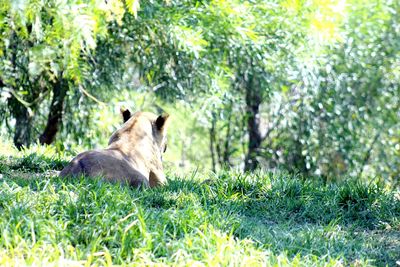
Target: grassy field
[235,219]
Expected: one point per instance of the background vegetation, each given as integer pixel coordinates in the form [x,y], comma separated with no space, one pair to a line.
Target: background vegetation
[304,86]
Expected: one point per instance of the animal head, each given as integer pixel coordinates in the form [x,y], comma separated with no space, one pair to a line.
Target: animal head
[142,125]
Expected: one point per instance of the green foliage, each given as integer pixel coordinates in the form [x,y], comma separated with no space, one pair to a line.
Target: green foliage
[232,219]
[56,36]
[305,86]
[43,44]
[340,117]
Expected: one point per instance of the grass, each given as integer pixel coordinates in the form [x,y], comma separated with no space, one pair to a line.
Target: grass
[235,219]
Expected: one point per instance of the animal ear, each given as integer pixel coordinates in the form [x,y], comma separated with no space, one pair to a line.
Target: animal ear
[161,122]
[126,114]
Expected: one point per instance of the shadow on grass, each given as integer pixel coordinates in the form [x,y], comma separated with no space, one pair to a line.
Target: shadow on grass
[350,220]
[33,162]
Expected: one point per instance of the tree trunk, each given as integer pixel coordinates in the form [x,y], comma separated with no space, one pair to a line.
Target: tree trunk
[23,120]
[54,118]
[253,102]
[212,145]
[219,158]
[23,123]
[227,145]
[367,155]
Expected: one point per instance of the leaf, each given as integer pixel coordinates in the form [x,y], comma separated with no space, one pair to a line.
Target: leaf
[133,6]
[37,28]
[34,69]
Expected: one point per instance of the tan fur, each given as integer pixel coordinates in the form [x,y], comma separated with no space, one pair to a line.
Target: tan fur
[133,155]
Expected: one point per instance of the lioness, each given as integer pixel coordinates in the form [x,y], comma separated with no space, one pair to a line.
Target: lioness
[133,155]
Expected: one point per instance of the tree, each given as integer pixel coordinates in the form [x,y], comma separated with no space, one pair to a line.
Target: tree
[44,50]
[339,113]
